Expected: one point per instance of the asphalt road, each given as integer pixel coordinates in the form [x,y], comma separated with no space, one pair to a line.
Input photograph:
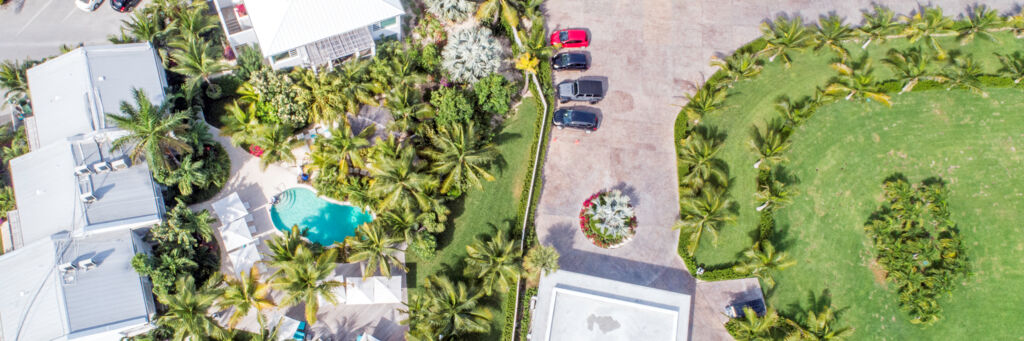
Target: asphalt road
[37,28]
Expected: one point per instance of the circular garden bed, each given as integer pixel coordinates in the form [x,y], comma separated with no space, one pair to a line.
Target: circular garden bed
[608,219]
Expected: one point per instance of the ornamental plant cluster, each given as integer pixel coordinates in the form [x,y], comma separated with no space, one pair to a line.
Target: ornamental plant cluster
[607,219]
[918,245]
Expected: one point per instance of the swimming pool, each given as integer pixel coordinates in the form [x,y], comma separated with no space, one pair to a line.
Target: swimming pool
[326,222]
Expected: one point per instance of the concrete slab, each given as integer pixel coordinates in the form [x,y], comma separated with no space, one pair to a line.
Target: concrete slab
[37,29]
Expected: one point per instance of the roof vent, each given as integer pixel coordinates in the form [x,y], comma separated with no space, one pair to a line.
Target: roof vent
[88,198]
[101,78]
[87,264]
[82,170]
[66,267]
[101,167]
[119,164]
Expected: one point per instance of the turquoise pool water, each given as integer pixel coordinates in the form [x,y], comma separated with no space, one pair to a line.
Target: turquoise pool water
[327,222]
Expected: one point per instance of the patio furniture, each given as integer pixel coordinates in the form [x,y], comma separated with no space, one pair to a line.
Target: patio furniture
[300,333]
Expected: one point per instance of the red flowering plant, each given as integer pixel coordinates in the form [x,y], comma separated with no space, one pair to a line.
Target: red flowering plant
[255,150]
[607,219]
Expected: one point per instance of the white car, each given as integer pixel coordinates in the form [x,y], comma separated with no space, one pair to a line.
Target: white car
[88,5]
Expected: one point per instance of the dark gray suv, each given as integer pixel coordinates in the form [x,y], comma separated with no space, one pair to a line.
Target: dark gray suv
[582,90]
[576,118]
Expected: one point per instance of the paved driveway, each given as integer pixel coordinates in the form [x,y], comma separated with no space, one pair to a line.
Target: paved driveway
[651,52]
[37,28]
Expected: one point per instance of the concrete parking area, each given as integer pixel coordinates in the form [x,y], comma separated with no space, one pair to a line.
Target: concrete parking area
[37,28]
[649,53]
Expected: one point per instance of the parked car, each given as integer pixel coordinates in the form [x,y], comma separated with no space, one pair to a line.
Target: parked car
[570,61]
[582,90]
[88,5]
[736,310]
[576,118]
[123,5]
[570,38]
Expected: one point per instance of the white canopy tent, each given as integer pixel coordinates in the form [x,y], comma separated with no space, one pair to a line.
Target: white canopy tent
[244,258]
[235,234]
[230,208]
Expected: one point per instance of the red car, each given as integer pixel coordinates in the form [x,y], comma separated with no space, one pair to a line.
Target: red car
[570,38]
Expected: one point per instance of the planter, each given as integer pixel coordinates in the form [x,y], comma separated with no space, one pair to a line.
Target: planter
[607,219]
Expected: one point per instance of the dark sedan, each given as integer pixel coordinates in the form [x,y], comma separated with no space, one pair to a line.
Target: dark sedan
[570,61]
[123,5]
[576,118]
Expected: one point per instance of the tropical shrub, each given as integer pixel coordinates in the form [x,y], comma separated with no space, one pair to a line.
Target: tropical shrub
[450,10]
[452,107]
[277,93]
[918,245]
[607,219]
[472,53]
[181,248]
[249,60]
[494,94]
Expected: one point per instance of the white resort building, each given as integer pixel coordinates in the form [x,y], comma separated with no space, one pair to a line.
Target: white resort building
[83,207]
[309,33]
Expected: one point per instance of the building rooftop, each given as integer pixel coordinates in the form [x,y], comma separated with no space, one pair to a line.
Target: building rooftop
[71,94]
[282,25]
[50,185]
[573,306]
[45,301]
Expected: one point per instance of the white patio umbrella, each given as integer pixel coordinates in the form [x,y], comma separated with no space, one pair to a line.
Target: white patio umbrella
[244,258]
[235,235]
[230,208]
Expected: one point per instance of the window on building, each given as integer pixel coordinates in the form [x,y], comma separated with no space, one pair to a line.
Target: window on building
[385,23]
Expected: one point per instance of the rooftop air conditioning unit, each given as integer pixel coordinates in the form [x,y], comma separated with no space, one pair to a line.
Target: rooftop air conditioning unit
[101,167]
[66,267]
[119,164]
[82,170]
[88,198]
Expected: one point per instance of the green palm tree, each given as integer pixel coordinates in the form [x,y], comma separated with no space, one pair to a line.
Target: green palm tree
[13,78]
[305,280]
[344,148]
[277,143]
[397,72]
[910,66]
[705,213]
[818,326]
[319,96]
[407,107]
[926,26]
[353,89]
[455,309]
[495,262]
[878,25]
[490,11]
[762,260]
[981,21]
[244,293]
[378,248]
[756,328]
[399,182]
[459,157]
[193,21]
[1012,66]
[540,260]
[784,35]
[770,145]
[831,33]
[284,247]
[241,125]
[738,66]
[188,175]
[965,73]
[775,195]
[698,158]
[151,130]
[144,27]
[706,100]
[855,80]
[186,311]
[196,59]
[795,112]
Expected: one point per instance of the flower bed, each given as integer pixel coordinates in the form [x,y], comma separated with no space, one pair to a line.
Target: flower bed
[607,219]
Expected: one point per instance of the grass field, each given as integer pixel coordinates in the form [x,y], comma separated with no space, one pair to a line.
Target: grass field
[838,160]
[481,212]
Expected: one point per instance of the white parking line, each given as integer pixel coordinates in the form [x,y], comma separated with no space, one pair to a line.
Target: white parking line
[34,17]
[73,10]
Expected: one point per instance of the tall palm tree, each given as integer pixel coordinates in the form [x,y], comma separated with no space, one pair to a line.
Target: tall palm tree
[188,175]
[981,21]
[142,26]
[491,11]
[241,124]
[196,59]
[495,262]
[762,260]
[831,33]
[375,246]
[795,112]
[540,260]
[186,311]
[305,280]
[277,143]
[193,21]
[784,35]
[756,328]
[1012,66]
[407,106]
[353,89]
[318,95]
[910,66]
[855,80]
[283,248]
[459,157]
[698,158]
[455,309]
[878,25]
[345,148]
[965,73]
[926,26]
[706,100]
[397,72]
[150,129]
[400,182]
[244,293]
[705,213]
[13,78]
[775,195]
[738,66]
[818,326]
[770,145]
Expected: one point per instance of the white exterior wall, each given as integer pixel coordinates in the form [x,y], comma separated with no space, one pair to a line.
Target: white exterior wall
[393,29]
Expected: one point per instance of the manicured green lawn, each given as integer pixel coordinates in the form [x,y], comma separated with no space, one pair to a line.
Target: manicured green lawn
[481,212]
[839,158]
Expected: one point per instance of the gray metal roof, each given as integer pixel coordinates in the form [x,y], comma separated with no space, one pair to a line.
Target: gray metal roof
[71,94]
[43,302]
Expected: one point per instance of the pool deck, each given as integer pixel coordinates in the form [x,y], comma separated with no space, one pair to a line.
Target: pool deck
[256,186]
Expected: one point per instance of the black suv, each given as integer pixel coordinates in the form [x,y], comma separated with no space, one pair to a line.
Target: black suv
[570,61]
[736,310]
[576,118]
[582,90]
